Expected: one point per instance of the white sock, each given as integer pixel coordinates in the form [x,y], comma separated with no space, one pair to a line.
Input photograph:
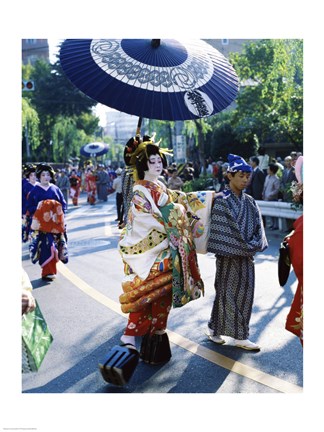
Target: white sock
[160,332]
[128,339]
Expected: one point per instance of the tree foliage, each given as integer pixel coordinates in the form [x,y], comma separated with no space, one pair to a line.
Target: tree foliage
[225,139]
[268,108]
[57,118]
[163,130]
[65,118]
[30,127]
[270,103]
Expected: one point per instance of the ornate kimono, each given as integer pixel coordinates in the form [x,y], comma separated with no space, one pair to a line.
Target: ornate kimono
[75,185]
[48,240]
[159,254]
[90,180]
[236,234]
[294,322]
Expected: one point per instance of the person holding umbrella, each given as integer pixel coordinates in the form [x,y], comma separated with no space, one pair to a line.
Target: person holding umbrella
[159,253]
[47,206]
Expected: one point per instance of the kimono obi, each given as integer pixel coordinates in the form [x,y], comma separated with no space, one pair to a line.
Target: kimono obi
[48,217]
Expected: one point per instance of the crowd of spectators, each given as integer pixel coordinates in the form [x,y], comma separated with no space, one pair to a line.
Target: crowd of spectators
[271,179]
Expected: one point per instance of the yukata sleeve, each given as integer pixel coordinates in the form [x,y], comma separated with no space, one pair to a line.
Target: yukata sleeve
[229,239]
[258,242]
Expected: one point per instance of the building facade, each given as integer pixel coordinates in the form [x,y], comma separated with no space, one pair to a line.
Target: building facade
[33,49]
[120,126]
[227,46]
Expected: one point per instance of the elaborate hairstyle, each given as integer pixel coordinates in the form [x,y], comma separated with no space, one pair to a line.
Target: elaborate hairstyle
[45,167]
[28,169]
[142,159]
[137,152]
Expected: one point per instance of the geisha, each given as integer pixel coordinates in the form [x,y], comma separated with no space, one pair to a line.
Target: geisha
[46,206]
[158,250]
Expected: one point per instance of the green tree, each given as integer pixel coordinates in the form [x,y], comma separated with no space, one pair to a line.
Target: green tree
[163,131]
[57,102]
[224,138]
[69,134]
[270,105]
[202,127]
[30,130]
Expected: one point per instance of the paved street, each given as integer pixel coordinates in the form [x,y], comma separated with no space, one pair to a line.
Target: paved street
[83,313]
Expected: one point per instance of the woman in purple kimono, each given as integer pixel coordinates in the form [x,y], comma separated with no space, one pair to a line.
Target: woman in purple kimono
[46,205]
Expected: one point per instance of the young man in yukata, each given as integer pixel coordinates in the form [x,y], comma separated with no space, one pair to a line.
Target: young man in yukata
[236,234]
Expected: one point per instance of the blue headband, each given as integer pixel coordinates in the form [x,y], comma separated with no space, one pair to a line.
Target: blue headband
[237,163]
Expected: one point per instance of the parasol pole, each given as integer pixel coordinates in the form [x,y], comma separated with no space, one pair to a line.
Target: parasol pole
[138,129]
[155,43]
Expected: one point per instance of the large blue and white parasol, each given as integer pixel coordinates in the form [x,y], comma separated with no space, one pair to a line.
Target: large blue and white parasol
[163,79]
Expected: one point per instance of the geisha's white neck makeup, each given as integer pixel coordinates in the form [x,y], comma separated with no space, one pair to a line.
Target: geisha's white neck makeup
[155,167]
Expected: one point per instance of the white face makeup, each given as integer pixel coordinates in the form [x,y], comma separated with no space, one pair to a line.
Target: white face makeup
[32,178]
[45,178]
[154,165]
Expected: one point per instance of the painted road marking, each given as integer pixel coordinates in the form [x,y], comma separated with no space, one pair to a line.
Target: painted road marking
[206,353]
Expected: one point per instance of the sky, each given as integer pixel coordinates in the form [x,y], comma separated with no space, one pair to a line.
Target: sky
[53,48]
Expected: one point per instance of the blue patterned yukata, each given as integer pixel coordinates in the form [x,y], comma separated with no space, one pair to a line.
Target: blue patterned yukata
[236,234]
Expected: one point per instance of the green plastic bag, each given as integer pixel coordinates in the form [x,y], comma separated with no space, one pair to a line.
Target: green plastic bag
[36,340]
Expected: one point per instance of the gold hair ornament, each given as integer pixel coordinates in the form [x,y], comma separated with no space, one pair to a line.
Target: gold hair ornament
[141,151]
